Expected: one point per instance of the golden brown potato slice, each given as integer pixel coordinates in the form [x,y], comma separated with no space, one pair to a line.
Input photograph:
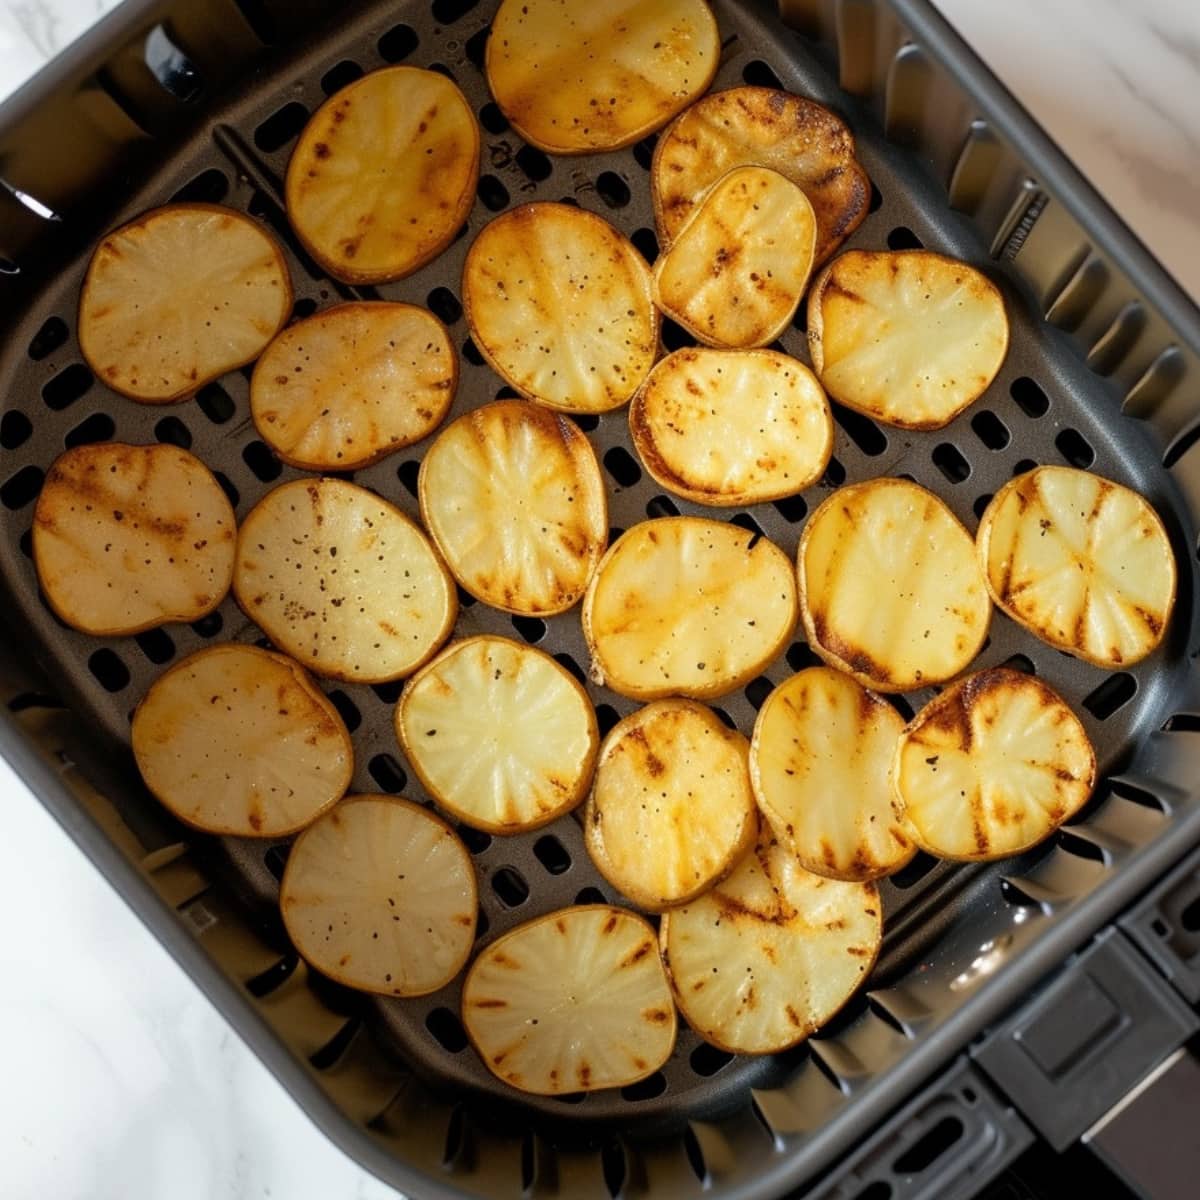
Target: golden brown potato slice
[380,895]
[559,303]
[343,581]
[762,127]
[178,297]
[501,736]
[992,766]
[352,384]
[736,271]
[129,537]
[770,954]
[573,1001]
[820,762]
[384,174]
[687,607]
[575,77]
[240,741]
[908,337]
[1083,563]
[732,427]
[890,587]
[513,498]
[671,810]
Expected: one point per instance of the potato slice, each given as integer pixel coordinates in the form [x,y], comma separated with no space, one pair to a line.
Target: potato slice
[687,607]
[353,384]
[736,271]
[129,537]
[501,736]
[671,810]
[343,581]
[762,127]
[575,77]
[770,954]
[820,762]
[513,498]
[992,766]
[908,337]
[890,587]
[380,895]
[239,741]
[732,427]
[178,297]
[573,1001]
[1083,563]
[559,303]
[384,174]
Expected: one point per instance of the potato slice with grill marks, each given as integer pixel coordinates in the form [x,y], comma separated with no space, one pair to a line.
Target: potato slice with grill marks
[573,1001]
[992,766]
[890,587]
[1083,563]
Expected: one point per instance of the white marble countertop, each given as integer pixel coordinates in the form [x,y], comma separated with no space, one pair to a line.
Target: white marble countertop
[121,1081]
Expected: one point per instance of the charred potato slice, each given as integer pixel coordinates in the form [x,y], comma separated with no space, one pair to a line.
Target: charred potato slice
[178,297]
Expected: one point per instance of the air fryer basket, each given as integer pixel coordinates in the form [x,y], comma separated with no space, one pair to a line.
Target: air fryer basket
[203,99]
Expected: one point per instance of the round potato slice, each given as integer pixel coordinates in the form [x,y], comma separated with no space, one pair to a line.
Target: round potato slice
[178,297]
[763,127]
[129,537]
[559,303]
[1083,563]
[890,587]
[351,385]
[770,954]
[239,741]
[501,736]
[992,766]
[908,337]
[512,496]
[687,607]
[573,1001]
[671,810]
[732,427]
[736,271]
[380,895]
[820,763]
[575,77]
[343,581]
[384,174]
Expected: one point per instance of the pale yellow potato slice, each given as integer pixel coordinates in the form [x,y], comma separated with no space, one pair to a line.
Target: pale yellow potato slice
[732,427]
[736,271]
[384,174]
[560,304]
[890,587]
[129,537]
[501,736]
[576,77]
[178,297]
[512,496]
[1083,563]
[573,1001]
[771,954]
[908,337]
[239,741]
[992,766]
[343,581]
[820,763]
[671,810]
[353,384]
[683,606]
[380,895]
[762,127]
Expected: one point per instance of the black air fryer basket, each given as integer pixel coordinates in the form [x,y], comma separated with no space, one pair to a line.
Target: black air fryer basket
[203,99]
